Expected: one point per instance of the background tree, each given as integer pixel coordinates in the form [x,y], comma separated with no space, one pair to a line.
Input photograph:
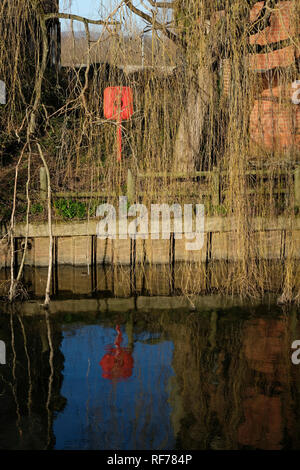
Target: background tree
[215,37]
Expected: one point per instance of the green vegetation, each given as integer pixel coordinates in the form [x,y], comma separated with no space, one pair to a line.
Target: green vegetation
[69,209]
[36,208]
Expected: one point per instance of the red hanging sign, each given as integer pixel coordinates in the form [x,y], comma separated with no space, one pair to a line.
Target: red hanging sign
[118,105]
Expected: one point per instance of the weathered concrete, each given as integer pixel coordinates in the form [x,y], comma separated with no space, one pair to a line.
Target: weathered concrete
[212,224]
[76,244]
[98,306]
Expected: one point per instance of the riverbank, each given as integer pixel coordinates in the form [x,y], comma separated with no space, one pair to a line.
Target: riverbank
[76,243]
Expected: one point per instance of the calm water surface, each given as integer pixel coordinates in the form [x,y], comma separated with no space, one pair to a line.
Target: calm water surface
[211,379]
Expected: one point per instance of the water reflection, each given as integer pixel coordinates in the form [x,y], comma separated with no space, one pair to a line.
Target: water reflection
[118,362]
[117,413]
[30,381]
[215,379]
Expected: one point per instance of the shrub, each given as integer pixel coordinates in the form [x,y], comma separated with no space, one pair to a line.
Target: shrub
[36,208]
[69,209]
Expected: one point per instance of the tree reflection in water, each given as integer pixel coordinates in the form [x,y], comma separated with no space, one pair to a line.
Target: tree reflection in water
[209,379]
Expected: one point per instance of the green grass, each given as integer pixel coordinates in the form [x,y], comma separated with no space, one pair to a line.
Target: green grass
[69,209]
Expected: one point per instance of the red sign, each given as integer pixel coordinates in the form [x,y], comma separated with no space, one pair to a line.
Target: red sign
[118,105]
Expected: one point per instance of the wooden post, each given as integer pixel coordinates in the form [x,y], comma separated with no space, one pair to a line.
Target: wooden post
[215,187]
[297,186]
[43,183]
[130,187]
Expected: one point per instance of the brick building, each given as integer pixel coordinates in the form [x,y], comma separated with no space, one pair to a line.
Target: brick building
[275,119]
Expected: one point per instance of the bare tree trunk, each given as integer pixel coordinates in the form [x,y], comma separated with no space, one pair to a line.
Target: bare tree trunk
[190,132]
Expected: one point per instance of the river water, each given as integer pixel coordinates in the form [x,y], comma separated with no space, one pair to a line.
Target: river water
[139,374]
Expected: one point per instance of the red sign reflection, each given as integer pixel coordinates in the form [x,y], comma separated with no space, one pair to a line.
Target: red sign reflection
[118,362]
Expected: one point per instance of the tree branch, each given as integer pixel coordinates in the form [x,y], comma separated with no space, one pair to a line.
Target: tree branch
[69,16]
[161,4]
[173,37]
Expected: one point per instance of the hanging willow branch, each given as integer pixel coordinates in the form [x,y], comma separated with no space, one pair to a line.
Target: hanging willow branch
[47,293]
[12,289]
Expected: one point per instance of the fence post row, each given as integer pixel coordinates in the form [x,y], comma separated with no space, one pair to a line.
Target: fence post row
[215,187]
[131,192]
[130,187]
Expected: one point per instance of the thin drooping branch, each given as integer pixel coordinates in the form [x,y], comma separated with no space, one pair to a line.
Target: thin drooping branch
[30,131]
[27,219]
[47,293]
[12,288]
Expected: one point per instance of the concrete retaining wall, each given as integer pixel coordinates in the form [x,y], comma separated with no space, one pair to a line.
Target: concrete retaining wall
[77,244]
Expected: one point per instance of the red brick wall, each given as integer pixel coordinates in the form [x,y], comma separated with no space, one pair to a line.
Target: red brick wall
[280,23]
[275,120]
